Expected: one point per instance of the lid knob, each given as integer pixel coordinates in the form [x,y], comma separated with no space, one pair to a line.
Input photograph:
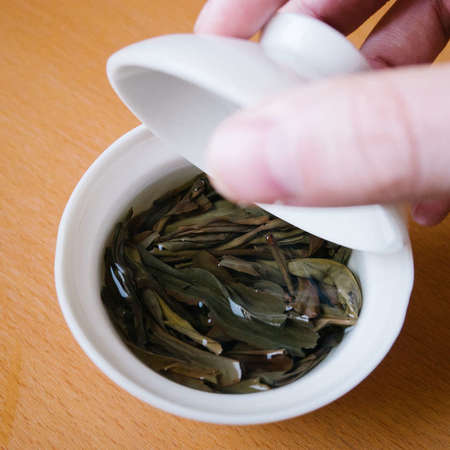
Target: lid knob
[310,47]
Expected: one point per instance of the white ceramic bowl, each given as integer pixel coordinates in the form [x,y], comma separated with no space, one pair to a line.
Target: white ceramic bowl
[132,172]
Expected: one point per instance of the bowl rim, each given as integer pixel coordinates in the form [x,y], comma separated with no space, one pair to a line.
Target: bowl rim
[69,215]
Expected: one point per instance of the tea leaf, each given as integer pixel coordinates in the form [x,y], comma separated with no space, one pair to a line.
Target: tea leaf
[156,361]
[333,273]
[342,255]
[245,387]
[236,320]
[262,268]
[328,293]
[183,326]
[238,265]
[151,300]
[231,316]
[282,236]
[255,252]
[188,381]
[215,227]
[229,369]
[187,243]
[218,334]
[146,238]
[279,258]
[205,260]
[306,299]
[325,345]
[236,242]
[222,298]
[260,305]
[333,316]
[198,373]
[260,361]
[224,211]
[271,288]
[314,244]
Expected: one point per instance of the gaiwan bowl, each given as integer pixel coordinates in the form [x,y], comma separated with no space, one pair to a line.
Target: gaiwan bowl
[134,171]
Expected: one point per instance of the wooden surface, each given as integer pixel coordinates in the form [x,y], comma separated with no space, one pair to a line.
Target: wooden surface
[58,113]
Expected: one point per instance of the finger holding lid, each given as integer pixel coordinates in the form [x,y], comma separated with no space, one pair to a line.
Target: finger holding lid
[344,15]
[243,19]
[411,32]
[235,18]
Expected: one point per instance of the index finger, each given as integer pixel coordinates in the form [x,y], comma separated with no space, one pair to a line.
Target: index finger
[236,18]
[243,19]
[344,15]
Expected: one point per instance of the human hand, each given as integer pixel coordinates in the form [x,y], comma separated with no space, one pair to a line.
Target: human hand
[377,137]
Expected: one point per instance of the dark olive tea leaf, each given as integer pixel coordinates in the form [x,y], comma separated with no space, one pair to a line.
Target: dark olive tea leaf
[199,373]
[176,322]
[224,211]
[335,274]
[239,265]
[306,299]
[156,361]
[222,298]
[280,259]
[333,316]
[219,334]
[326,343]
[207,261]
[261,361]
[263,306]
[245,387]
[262,268]
[271,288]
[152,302]
[239,322]
[240,240]
[188,381]
[229,370]
[342,255]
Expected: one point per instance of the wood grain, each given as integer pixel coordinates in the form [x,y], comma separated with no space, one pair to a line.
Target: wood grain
[58,114]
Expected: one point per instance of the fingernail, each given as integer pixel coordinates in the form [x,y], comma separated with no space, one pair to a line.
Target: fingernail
[420,216]
[240,161]
[430,212]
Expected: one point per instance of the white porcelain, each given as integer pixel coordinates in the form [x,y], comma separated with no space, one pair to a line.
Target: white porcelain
[182,86]
[133,171]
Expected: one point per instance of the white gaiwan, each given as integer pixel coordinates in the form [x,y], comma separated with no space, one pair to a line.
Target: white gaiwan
[182,87]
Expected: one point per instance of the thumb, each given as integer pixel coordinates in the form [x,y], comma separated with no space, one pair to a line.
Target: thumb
[379,137]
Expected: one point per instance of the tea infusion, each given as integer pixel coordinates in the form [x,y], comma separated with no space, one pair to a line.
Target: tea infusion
[223,298]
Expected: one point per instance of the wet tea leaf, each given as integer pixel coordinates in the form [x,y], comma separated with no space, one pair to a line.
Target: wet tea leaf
[188,381]
[239,265]
[279,258]
[181,325]
[271,288]
[261,361]
[333,273]
[245,387]
[239,241]
[306,299]
[198,373]
[222,298]
[263,306]
[207,261]
[229,370]
[262,268]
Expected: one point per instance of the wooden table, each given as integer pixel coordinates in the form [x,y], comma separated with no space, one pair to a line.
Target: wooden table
[58,114]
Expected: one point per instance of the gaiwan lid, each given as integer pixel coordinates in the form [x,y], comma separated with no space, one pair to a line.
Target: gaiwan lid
[182,86]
